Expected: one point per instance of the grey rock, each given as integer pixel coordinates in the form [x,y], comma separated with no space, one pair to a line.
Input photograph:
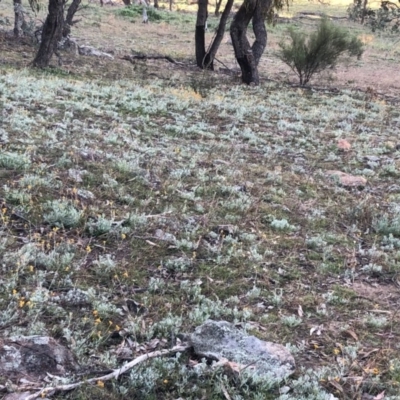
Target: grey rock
[222,340]
[32,357]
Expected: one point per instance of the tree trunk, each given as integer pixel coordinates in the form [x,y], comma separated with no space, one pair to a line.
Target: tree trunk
[217,7]
[246,56]
[18,18]
[200,35]
[170,4]
[364,11]
[72,9]
[51,34]
[241,45]
[210,56]
[260,32]
[156,4]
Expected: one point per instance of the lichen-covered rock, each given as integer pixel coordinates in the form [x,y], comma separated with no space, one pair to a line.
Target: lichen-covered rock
[220,339]
[32,357]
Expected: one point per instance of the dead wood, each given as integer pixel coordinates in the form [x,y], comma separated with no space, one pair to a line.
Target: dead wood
[50,390]
[134,57]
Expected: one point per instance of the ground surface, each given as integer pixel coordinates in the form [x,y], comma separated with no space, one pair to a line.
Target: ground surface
[102,28]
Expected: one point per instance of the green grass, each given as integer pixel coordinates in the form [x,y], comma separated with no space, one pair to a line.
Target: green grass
[156,15]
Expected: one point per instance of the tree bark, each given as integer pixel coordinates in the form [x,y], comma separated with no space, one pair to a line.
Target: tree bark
[241,45]
[51,34]
[72,9]
[156,5]
[248,57]
[217,7]
[18,18]
[200,35]
[260,32]
[364,11]
[210,55]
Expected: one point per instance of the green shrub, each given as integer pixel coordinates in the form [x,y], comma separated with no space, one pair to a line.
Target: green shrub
[307,56]
[387,17]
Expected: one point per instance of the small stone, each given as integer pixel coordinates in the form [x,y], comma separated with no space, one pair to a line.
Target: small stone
[85,194]
[76,174]
[161,235]
[343,145]
[52,111]
[347,179]
[390,145]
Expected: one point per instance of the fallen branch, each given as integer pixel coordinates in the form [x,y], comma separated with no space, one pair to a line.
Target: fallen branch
[306,14]
[132,58]
[48,391]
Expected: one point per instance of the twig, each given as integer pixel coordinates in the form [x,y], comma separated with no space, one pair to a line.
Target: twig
[225,392]
[48,391]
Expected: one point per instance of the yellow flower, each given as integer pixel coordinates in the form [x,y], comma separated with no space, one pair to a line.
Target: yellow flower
[97,321]
[100,384]
[336,351]
[88,249]
[21,302]
[165,381]
[31,268]
[14,292]
[95,313]
[123,236]
[125,274]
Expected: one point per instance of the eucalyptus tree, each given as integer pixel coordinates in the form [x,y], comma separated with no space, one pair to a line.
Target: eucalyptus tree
[18,17]
[54,28]
[51,33]
[248,56]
